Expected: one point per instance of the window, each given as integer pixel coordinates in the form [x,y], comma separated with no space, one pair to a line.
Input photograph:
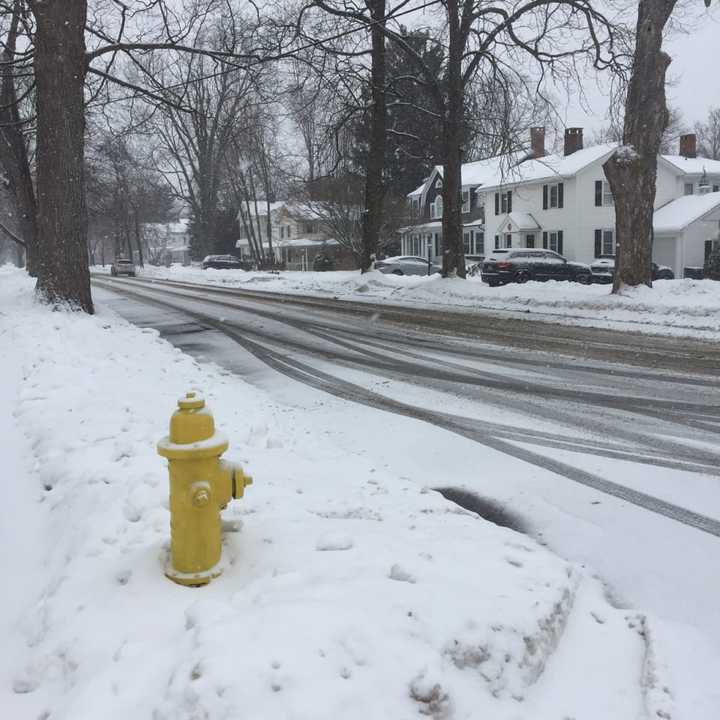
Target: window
[506,202]
[436,242]
[467,244]
[508,240]
[608,242]
[688,189]
[503,202]
[553,240]
[479,242]
[716,188]
[553,196]
[436,209]
[604,242]
[497,242]
[603,194]
[466,201]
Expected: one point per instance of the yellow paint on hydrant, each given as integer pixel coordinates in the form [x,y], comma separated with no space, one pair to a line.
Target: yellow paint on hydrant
[201,484]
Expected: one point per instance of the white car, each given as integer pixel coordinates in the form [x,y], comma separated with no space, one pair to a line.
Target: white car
[406,265]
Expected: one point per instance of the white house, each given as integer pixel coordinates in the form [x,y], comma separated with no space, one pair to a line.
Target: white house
[297,231]
[168,242]
[563,202]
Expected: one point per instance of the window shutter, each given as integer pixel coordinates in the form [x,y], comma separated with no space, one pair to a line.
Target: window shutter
[598,243]
[497,203]
[560,241]
[545,197]
[561,193]
[497,242]
[545,242]
[509,201]
[598,193]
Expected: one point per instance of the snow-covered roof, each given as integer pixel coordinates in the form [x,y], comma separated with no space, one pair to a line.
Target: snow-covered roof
[549,167]
[261,207]
[681,212]
[304,243]
[694,166]
[519,222]
[512,168]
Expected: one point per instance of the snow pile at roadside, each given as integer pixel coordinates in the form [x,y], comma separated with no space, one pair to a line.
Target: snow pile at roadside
[348,593]
[682,307]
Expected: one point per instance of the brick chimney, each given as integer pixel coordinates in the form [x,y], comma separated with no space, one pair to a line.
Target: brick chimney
[688,145]
[573,140]
[537,141]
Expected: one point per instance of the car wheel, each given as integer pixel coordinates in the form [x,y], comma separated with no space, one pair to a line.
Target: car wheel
[112,272]
[398,272]
[585,279]
[492,283]
[522,277]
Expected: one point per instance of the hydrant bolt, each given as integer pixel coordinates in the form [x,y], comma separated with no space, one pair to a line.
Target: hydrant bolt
[201,484]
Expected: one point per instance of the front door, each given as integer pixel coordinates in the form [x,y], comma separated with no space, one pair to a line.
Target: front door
[530,240]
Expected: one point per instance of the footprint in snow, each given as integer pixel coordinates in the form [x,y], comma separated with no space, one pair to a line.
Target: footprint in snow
[334,541]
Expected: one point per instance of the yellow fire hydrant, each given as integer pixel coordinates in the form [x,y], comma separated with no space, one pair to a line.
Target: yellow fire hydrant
[201,484]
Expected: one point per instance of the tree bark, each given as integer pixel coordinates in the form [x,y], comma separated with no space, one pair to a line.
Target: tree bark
[60,66]
[374,185]
[632,169]
[452,228]
[13,148]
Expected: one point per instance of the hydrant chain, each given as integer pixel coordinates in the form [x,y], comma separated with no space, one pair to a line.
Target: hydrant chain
[201,484]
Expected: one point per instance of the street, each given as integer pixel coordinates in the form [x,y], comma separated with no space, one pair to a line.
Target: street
[603,445]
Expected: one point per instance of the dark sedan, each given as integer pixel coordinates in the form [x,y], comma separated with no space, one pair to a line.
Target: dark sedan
[519,266]
[222,262]
[603,270]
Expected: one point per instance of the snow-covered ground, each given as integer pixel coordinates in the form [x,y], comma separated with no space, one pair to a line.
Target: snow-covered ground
[350,591]
[677,307]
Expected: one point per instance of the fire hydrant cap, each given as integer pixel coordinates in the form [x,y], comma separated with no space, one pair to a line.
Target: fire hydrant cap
[191,401]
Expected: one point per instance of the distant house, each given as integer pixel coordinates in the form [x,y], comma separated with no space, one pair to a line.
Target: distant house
[168,242]
[299,232]
[562,202]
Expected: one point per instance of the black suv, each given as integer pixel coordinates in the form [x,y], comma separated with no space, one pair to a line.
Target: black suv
[523,264]
[222,262]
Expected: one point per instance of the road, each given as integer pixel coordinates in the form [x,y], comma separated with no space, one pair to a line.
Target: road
[609,441]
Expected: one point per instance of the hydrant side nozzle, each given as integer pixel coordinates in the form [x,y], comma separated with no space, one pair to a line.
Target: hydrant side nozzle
[240,482]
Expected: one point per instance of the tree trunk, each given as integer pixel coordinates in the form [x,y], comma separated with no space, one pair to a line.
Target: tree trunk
[452,228]
[138,241]
[13,148]
[374,185]
[60,64]
[632,169]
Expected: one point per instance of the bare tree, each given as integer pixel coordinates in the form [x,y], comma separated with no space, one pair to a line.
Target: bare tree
[708,135]
[632,169]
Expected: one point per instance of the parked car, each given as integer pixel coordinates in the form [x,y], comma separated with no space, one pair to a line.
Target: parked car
[406,265]
[222,262]
[473,264]
[523,264]
[603,270]
[323,262]
[122,266]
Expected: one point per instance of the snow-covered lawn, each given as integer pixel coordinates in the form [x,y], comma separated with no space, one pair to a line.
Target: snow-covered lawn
[349,592]
[679,307]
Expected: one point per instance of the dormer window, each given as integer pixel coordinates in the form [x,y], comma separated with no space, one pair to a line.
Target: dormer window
[436,209]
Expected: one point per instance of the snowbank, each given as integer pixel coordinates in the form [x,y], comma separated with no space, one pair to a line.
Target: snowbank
[678,307]
[349,592]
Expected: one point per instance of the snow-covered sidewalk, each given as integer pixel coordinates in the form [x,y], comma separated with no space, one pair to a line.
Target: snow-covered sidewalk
[350,592]
[671,307]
